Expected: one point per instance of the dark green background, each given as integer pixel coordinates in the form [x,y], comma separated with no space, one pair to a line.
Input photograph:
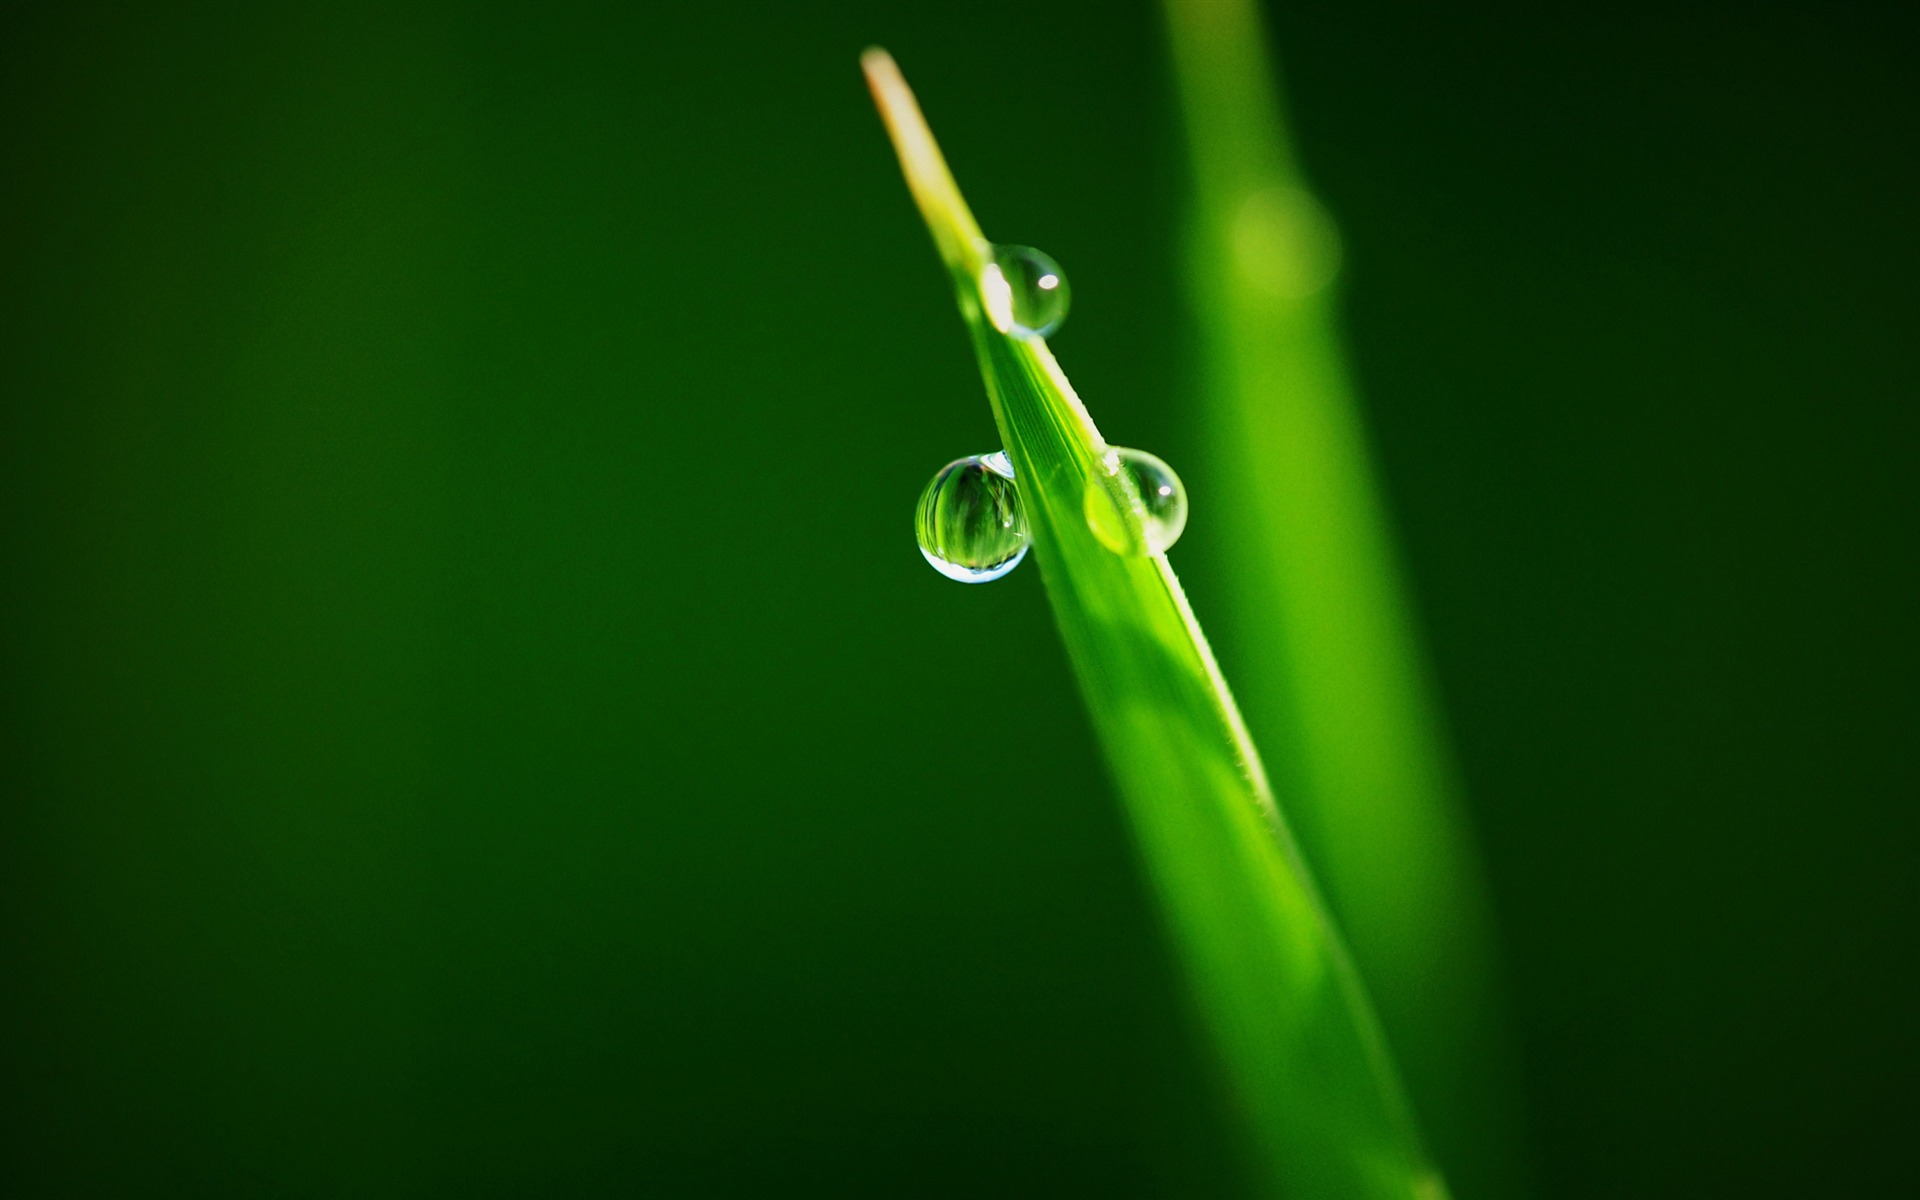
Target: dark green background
[476,722]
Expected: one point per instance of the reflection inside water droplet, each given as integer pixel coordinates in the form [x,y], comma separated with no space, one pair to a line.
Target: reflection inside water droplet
[1025,292]
[1134,503]
[969,522]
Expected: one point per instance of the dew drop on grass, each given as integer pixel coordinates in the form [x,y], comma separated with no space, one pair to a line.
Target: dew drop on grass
[969,521]
[1134,502]
[1025,291]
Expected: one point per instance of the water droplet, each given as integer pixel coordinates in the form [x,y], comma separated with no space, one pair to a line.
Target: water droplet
[1025,291]
[1134,503]
[969,522]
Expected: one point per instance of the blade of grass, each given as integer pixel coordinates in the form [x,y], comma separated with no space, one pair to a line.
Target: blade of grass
[1294,1035]
[1314,606]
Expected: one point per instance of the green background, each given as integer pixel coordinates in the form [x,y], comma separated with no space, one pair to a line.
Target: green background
[476,722]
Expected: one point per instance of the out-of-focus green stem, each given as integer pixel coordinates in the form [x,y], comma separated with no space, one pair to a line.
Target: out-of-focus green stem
[1316,620]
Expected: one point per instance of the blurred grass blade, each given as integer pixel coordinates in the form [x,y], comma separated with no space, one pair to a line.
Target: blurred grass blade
[1326,658]
[1292,1029]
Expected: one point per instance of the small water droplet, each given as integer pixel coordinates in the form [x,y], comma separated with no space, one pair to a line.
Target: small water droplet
[1134,503]
[1025,291]
[969,522]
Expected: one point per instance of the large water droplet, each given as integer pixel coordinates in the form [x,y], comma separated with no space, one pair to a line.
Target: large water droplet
[1025,291]
[1134,502]
[969,522]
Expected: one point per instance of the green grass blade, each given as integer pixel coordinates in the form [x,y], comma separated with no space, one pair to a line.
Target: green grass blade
[1293,1031]
[1327,659]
